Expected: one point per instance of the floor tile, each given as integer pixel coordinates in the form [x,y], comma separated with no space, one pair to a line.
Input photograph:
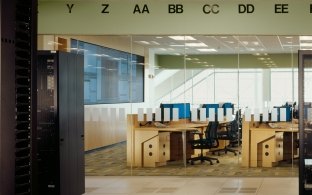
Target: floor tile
[166,185]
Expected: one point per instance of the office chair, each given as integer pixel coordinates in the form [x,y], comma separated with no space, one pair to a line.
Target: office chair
[210,141]
[231,134]
[237,142]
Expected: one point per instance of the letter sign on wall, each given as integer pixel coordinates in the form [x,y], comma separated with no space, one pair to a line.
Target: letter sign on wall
[174,17]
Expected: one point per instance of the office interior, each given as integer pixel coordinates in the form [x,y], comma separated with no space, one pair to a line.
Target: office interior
[255,74]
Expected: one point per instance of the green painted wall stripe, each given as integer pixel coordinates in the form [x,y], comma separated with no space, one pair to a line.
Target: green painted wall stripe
[150,17]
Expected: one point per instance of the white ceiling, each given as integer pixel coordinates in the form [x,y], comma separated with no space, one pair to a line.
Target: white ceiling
[256,45]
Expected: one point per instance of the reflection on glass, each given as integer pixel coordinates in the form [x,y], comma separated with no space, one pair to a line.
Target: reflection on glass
[110,75]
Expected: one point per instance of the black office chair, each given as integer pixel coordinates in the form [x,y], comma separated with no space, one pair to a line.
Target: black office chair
[231,134]
[210,141]
[235,142]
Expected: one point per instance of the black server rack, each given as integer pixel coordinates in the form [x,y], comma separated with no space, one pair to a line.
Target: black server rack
[18,20]
[60,123]
[305,123]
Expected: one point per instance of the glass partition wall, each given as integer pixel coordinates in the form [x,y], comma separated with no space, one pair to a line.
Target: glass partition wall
[230,98]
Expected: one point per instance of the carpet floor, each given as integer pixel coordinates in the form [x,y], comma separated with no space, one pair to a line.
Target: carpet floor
[111,161]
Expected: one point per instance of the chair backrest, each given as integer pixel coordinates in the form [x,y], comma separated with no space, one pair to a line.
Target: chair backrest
[211,132]
[232,130]
[238,117]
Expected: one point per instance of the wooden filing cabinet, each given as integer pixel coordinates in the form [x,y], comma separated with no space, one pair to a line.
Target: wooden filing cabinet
[270,151]
[164,146]
[156,151]
[265,146]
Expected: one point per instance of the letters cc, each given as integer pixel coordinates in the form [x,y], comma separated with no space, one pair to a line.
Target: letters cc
[207,9]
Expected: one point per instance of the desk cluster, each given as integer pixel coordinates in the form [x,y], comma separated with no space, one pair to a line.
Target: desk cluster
[156,136]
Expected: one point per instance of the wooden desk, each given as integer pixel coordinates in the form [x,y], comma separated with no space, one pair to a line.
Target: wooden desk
[264,146]
[150,146]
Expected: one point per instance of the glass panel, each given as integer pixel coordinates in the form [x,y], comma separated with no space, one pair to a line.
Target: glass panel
[167,93]
[267,90]
[212,63]
[194,81]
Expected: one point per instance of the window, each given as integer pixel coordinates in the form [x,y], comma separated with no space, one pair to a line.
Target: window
[282,86]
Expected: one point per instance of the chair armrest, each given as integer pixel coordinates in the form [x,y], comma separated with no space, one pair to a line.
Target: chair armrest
[197,133]
[225,125]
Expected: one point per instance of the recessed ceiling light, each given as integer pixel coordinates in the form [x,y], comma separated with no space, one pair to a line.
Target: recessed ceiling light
[230,42]
[255,43]
[154,42]
[261,58]
[223,37]
[159,37]
[207,50]
[305,38]
[196,45]
[288,37]
[144,42]
[305,44]
[245,42]
[176,45]
[182,38]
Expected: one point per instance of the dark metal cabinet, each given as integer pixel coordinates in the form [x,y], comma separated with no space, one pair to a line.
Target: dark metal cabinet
[7,99]
[305,122]
[18,21]
[60,123]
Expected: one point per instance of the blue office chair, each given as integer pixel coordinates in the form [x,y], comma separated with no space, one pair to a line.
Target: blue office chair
[210,141]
